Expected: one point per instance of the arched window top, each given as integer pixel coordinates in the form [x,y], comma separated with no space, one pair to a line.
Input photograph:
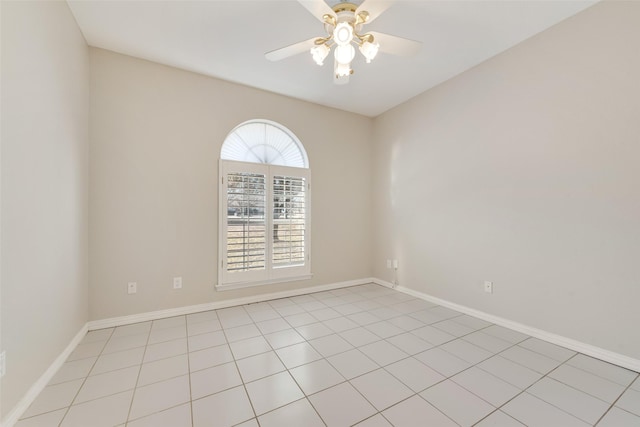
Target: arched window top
[264,141]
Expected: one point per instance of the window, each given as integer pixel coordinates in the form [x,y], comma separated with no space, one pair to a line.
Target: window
[264,207]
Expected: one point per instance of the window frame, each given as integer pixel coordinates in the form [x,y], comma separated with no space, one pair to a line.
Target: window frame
[250,147]
[270,274]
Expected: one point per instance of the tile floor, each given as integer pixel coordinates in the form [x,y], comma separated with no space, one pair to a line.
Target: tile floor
[365,355]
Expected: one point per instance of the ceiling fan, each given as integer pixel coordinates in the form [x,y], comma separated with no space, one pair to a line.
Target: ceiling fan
[344,23]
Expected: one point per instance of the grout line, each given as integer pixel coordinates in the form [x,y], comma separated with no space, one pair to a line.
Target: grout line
[186,330]
[598,375]
[86,377]
[549,403]
[135,387]
[235,362]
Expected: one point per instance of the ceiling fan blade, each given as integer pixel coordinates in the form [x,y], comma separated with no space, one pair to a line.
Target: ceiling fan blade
[287,51]
[317,8]
[374,8]
[396,45]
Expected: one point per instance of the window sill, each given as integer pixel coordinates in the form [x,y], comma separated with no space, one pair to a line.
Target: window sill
[240,285]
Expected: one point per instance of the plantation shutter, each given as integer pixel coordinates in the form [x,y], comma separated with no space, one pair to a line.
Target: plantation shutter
[246,238]
[244,204]
[264,232]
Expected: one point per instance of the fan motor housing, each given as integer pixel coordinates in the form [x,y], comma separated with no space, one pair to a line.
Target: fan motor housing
[345,12]
[344,7]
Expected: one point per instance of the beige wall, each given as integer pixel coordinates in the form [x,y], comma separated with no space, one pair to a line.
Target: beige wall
[524,171]
[156,134]
[45,101]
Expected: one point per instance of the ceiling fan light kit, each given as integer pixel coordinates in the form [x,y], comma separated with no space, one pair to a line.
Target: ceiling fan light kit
[343,24]
[343,29]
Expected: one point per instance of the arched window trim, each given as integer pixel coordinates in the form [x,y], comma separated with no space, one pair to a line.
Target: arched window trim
[231,147]
[260,193]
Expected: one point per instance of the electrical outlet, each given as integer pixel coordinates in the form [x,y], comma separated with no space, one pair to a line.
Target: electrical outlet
[132,288]
[488,287]
[177,283]
[388,263]
[3,364]
[395,264]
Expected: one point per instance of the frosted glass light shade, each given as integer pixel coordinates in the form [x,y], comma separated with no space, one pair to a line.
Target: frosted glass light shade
[369,50]
[342,70]
[319,53]
[344,54]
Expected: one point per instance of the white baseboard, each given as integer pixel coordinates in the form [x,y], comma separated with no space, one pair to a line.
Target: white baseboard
[216,305]
[588,349]
[42,382]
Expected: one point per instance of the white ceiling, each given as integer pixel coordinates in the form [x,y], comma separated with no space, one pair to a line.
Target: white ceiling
[227,39]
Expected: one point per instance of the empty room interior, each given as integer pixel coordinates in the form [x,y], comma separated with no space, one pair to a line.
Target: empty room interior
[316,213]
